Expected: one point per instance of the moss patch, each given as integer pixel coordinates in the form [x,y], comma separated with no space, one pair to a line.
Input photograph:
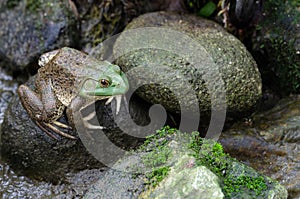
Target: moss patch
[157,155]
[157,175]
[210,154]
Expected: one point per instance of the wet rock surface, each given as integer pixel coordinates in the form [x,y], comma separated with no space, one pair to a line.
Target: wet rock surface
[30,28]
[269,142]
[223,55]
[75,185]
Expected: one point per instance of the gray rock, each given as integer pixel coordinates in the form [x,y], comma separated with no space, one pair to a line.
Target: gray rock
[182,182]
[30,28]
[31,152]
[222,56]
[16,185]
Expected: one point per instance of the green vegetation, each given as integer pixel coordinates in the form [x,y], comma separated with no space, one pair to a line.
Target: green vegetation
[208,9]
[157,155]
[233,185]
[210,154]
[202,8]
[157,175]
[236,179]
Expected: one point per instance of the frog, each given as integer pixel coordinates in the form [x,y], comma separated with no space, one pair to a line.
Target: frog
[66,81]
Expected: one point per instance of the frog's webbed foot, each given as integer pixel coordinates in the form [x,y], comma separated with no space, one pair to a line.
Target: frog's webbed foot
[46,126]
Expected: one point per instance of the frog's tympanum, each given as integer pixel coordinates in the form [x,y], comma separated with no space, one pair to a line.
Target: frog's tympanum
[68,79]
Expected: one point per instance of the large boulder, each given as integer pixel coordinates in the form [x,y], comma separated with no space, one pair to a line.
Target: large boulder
[183,51]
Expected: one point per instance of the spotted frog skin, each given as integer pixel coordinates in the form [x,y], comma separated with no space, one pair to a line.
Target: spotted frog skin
[67,79]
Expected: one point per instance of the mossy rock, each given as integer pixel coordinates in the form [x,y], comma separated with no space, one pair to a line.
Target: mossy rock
[221,57]
[172,164]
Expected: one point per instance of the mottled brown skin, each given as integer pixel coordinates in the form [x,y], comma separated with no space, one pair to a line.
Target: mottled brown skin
[66,80]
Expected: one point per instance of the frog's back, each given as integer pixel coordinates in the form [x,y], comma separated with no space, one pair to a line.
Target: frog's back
[67,68]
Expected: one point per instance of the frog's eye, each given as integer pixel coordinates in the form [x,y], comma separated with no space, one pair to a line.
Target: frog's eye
[104,83]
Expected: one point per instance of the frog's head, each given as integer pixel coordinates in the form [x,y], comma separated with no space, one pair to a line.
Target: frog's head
[111,82]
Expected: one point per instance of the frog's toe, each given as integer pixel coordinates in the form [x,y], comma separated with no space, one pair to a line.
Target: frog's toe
[56,130]
[62,125]
[45,126]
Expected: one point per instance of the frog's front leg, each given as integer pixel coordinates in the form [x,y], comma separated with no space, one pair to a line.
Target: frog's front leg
[42,107]
[77,105]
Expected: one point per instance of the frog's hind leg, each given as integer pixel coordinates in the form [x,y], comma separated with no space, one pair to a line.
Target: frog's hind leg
[43,109]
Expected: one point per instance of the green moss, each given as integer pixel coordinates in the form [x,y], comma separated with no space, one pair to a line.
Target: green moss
[210,154]
[232,185]
[157,175]
[157,155]
[156,138]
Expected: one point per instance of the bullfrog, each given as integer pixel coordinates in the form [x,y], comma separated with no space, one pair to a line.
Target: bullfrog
[66,80]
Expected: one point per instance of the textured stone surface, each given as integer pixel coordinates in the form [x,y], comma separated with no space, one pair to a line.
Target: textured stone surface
[191,183]
[30,28]
[222,57]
